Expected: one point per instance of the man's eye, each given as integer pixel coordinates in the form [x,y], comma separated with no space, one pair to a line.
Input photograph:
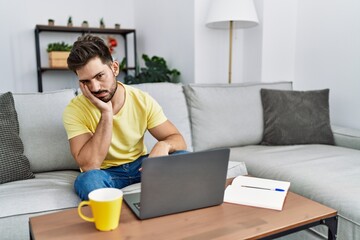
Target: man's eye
[99,75]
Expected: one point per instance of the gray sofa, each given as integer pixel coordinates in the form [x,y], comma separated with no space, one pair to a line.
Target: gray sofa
[209,116]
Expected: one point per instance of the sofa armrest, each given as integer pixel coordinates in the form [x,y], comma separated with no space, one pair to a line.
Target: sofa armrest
[346,137]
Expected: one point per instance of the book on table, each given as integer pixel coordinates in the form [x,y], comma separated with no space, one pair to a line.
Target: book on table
[257,192]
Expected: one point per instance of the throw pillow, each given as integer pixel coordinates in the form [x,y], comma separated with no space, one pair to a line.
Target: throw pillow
[296,117]
[14,165]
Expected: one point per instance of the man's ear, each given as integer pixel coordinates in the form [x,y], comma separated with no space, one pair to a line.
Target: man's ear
[115,68]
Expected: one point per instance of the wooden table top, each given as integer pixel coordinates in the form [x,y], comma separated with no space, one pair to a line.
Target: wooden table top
[226,221]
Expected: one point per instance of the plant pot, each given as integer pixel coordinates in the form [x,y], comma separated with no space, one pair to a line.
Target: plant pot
[58,59]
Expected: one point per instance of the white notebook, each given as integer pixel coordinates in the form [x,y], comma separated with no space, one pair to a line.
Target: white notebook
[257,192]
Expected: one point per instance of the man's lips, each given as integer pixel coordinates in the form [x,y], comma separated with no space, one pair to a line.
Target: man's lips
[100,94]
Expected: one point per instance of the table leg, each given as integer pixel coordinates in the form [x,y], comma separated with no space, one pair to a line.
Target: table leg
[331,223]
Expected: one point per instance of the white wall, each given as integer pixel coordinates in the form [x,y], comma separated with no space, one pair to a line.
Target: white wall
[328,55]
[165,28]
[17,23]
[279,21]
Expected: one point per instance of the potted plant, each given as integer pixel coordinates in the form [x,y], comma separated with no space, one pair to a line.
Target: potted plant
[58,54]
[85,24]
[155,70]
[102,23]
[51,22]
[70,23]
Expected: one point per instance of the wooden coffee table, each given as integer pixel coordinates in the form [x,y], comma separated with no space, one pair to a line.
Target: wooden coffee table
[227,221]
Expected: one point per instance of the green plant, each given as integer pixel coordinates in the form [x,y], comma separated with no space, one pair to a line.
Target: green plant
[58,46]
[51,22]
[85,24]
[156,70]
[102,23]
[70,20]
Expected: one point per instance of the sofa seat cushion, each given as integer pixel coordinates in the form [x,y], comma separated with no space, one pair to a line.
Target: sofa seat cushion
[46,192]
[224,115]
[324,173]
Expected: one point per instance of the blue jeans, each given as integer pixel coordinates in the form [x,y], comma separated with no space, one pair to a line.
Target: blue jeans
[114,177]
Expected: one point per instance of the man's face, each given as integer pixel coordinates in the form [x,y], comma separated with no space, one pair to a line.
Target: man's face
[99,78]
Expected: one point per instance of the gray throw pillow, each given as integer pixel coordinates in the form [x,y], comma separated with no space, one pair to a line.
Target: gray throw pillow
[296,117]
[14,165]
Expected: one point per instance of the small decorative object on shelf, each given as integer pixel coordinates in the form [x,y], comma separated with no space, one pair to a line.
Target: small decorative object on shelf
[117,25]
[85,24]
[51,22]
[70,23]
[112,43]
[102,23]
[58,54]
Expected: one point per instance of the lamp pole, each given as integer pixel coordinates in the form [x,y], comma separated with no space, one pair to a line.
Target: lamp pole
[230,14]
[230,50]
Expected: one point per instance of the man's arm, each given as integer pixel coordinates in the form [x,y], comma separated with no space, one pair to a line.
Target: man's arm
[169,139]
[90,150]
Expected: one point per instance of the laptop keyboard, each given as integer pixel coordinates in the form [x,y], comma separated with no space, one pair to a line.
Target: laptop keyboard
[137,205]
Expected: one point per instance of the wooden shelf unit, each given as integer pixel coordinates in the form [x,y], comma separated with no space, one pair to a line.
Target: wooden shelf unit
[80,30]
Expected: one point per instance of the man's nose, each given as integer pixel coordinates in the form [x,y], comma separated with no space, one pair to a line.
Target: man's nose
[94,86]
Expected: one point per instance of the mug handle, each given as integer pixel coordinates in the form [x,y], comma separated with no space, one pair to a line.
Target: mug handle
[84,203]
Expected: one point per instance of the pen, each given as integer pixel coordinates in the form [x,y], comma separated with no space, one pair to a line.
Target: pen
[270,189]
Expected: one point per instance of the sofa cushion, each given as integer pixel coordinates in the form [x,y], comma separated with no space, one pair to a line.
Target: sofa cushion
[227,115]
[42,131]
[46,192]
[171,98]
[14,165]
[296,117]
[324,173]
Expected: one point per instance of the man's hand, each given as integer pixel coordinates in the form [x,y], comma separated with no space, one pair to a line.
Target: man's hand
[102,106]
[161,148]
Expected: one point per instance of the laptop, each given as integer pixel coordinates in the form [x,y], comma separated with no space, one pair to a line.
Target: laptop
[178,183]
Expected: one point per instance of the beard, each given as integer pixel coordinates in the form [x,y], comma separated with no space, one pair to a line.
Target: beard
[111,92]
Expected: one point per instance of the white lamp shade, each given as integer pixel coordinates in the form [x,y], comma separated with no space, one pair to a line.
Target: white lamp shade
[241,12]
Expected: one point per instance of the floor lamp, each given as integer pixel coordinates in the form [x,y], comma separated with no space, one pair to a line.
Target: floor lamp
[229,14]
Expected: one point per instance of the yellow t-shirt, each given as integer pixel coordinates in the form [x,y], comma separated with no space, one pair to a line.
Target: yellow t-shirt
[139,113]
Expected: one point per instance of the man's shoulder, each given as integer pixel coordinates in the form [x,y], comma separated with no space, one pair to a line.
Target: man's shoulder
[79,103]
[80,99]
[137,93]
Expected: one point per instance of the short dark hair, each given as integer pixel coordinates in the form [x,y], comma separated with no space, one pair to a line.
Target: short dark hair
[85,48]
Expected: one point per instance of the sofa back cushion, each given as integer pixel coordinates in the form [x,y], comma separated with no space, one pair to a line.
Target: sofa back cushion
[14,165]
[171,98]
[225,115]
[41,129]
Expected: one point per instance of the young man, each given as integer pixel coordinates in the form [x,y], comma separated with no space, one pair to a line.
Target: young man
[107,122]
